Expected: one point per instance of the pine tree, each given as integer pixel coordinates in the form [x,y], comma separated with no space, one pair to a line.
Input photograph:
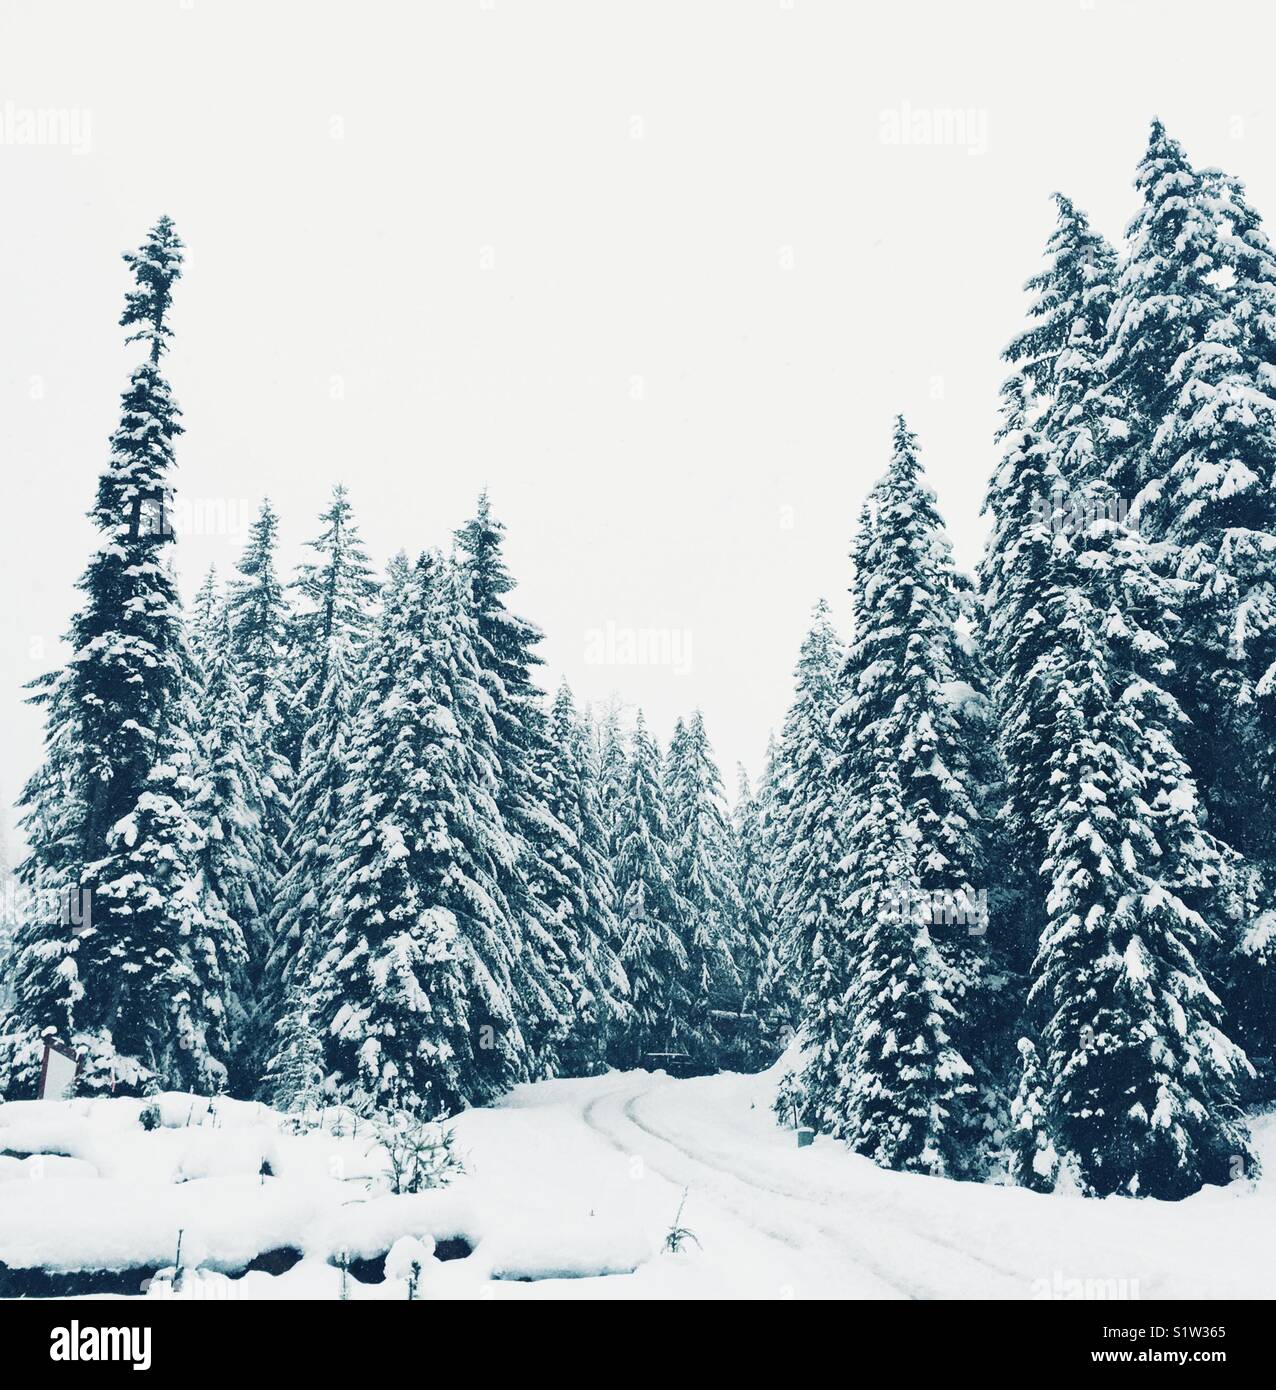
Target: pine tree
[168,987]
[1019,579]
[754,927]
[1141,1079]
[1061,430]
[903,710]
[293,1082]
[258,621]
[414,993]
[139,982]
[1082,625]
[506,649]
[206,619]
[583,904]
[1033,1162]
[652,954]
[335,596]
[228,806]
[613,772]
[902,1089]
[810,845]
[1193,336]
[699,837]
[779,987]
[301,921]
[1058,354]
[229,803]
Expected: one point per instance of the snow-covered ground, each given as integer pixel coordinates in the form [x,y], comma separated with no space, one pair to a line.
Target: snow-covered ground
[570,1190]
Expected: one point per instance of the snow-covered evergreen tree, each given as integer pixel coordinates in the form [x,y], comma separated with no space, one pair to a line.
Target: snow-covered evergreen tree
[1033,1162]
[258,619]
[699,835]
[228,805]
[1141,1079]
[205,625]
[1082,621]
[903,710]
[414,995]
[1024,576]
[301,922]
[138,979]
[1192,340]
[755,928]
[613,771]
[810,843]
[506,648]
[779,988]
[583,894]
[294,1076]
[1058,354]
[652,951]
[335,595]
[902,1090]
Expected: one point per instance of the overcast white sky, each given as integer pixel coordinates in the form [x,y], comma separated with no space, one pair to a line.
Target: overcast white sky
[653,272]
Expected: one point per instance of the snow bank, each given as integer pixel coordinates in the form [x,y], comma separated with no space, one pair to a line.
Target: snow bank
[570,1189]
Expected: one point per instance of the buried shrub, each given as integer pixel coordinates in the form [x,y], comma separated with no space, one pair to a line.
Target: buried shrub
[419,1153]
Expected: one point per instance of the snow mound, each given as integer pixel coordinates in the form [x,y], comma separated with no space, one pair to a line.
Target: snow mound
[571,1189]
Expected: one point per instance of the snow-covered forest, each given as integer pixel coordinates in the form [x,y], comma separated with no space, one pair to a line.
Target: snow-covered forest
[1001,900]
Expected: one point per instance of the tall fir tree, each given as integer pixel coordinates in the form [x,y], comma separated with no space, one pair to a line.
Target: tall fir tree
[228,806]
[902,709]
[414,993]
[506,648]
[779,988]
[335,595]
[702,860]
[301,921]
[293,1081]
[810,846]
[1058,354]
[258,620]
[754,928]
[583,898]
[136,978]
[652,951]
[613,771]
[1141,1080]
[1084,618]
[903,1092]
[204,627]
[1189,355]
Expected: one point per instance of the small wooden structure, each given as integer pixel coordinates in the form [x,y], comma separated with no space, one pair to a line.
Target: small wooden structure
[58,1069]
[675,1063]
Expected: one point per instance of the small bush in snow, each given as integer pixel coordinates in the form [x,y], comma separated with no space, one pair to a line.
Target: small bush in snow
[790,1100]
[418,1152]
[679,1234]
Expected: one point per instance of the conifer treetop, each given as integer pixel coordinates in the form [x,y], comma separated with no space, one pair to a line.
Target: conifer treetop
[156,264]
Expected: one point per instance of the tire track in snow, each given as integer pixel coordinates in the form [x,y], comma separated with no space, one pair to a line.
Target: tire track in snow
[829,1226]
[629,1152]
[797,1238]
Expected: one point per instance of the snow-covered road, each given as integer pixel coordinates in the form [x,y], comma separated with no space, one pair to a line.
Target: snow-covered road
[774,1221]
